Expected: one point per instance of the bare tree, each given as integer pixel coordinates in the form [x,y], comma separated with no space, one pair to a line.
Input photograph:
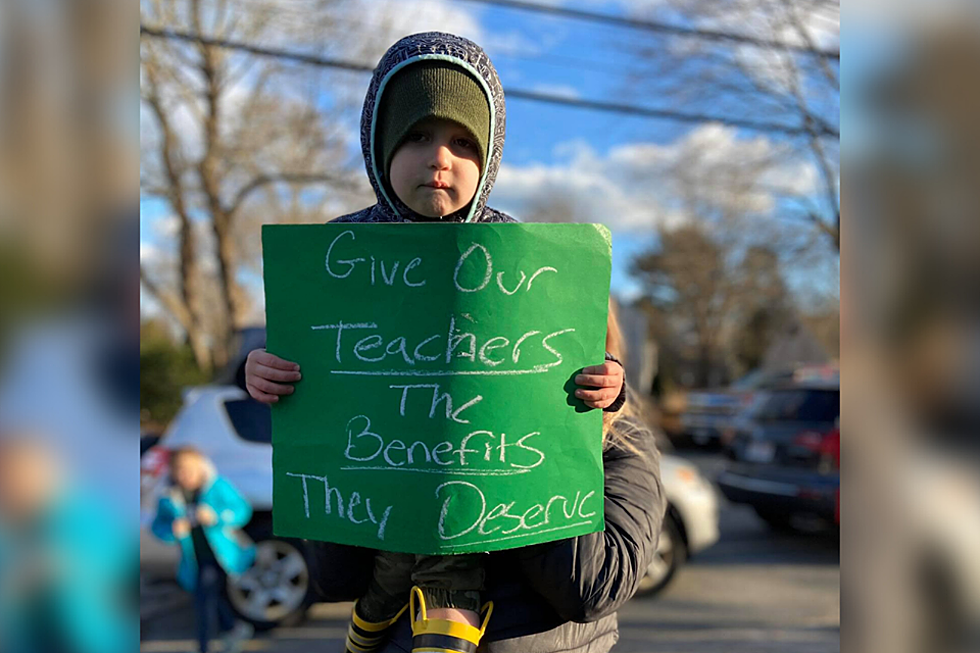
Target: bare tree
[797,86]
[686,278]
[225,132]
[718,306]
[764,308]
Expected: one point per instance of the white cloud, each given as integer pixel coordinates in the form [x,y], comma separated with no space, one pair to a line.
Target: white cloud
[395,20]
[766,20]
[149,306]
[638,186]
[799,178]
[149,254]
[161,257]
[150,257]
[167,226]
[561,90]
[776,67]
[511,43]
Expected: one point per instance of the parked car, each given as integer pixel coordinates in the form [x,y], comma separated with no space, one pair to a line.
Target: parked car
[709,418]
[691,524]
[785,456]
[706,414]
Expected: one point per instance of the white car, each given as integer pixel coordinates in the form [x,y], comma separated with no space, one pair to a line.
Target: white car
[236,433]
[691,524]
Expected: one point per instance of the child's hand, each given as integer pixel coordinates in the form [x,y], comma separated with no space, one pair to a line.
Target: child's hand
[268,376]
[608,378]
[181,528]
[206,516]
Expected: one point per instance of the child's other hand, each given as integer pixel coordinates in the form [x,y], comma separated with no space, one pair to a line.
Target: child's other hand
[181,528]
[608,378]
[206,516]
[267,376]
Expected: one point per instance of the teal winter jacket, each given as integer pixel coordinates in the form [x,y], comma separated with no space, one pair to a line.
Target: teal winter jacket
[233,549]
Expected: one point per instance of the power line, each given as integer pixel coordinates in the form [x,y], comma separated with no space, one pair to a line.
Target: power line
[497,51]
[652,26]
[663,114]
[255,49]
[625,109]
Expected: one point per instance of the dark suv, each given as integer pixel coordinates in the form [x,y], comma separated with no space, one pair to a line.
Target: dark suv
[785,457]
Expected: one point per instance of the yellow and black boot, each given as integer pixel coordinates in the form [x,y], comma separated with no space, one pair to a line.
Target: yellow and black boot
[367,636]
[443,635]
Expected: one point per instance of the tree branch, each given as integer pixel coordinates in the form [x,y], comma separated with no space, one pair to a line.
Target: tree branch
[804,34]
[170,303]
[174,191]
[832,231]
[263,180]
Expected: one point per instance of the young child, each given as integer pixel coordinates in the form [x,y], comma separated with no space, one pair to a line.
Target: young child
[432,130]
[203,514]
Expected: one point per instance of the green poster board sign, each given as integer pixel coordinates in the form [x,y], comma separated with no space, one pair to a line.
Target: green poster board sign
[436,412]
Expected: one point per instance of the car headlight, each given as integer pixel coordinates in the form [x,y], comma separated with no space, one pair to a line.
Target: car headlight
[692,478]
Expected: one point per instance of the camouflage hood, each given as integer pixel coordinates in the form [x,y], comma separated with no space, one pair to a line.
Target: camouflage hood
[472,58]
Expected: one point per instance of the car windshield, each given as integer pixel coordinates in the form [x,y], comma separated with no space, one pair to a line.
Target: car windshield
[800,405]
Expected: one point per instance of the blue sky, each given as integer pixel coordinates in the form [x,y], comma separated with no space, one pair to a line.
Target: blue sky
[561,56]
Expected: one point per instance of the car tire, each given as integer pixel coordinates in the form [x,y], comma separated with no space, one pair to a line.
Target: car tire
[277,590]
[671,554]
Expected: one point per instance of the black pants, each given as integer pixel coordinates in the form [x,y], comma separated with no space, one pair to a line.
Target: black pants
[210,603]
[446,582]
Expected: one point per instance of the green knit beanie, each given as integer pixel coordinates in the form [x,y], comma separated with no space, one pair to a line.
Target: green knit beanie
[431,89]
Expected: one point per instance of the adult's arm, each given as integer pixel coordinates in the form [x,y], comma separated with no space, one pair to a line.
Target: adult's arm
[588,577]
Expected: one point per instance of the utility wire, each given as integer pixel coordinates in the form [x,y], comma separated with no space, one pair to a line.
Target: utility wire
[625,109]
[663,28]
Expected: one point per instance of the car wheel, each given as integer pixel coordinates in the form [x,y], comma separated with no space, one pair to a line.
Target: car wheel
[671,553]
[276,590]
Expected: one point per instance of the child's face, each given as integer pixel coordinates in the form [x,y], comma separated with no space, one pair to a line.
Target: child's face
[188,472]
[436,169]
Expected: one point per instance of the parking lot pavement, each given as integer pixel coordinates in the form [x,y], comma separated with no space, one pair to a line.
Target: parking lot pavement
[755,591]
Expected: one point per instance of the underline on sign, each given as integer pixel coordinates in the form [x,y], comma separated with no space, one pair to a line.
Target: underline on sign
[534,370]
[510,537]
[445,472]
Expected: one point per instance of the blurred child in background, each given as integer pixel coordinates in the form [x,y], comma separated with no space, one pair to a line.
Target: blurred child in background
[203,513]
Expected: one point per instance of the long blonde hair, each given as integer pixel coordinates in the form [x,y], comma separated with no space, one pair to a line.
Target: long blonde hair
[623,428]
